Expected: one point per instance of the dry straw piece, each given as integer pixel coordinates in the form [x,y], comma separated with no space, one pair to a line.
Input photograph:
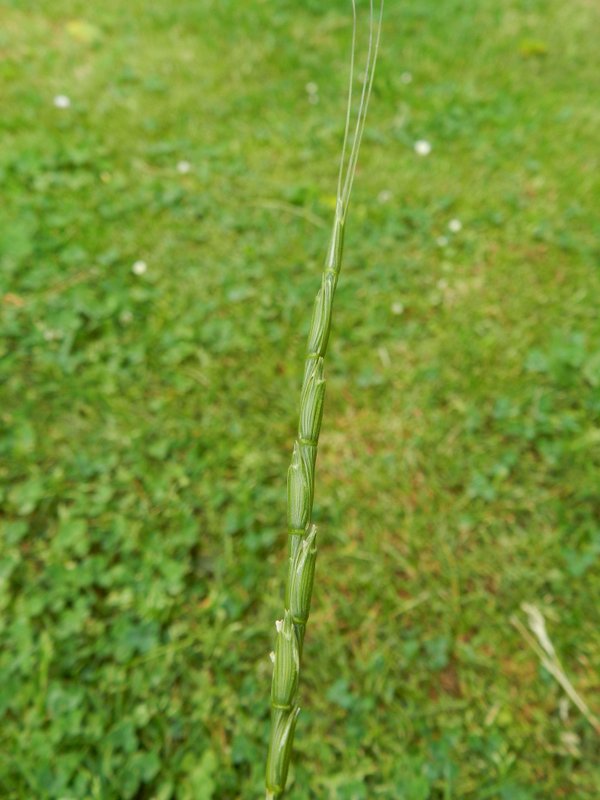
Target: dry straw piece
[548,656]
[301,473]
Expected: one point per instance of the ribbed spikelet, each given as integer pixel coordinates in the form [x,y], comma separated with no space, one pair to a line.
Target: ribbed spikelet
[311,404]
[283,725]
[321,318]
[287,664]
[298,497]
[301,576]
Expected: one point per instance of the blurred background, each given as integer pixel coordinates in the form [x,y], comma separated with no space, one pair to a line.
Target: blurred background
[168,174]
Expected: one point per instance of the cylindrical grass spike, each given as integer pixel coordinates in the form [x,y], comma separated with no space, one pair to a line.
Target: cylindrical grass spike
[301,473]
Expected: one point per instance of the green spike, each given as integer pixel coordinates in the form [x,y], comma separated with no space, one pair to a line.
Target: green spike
[301,473]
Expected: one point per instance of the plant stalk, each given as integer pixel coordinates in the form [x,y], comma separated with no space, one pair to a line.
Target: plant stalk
[302,532]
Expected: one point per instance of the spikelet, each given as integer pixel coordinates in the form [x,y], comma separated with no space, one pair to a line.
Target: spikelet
[287,664]
[336,244]
[301,577]
[321,318]
[280,749]
[298,492]
[311,403]
[308,454]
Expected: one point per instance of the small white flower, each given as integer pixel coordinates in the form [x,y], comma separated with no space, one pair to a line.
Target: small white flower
[62,101]
[397,308]
[563,709]
[422,147]
[442,241]
[279,625]
[272,656]
[384,196]
[455,225]
[406,77]
[313,93]
[183,167]
[139,268]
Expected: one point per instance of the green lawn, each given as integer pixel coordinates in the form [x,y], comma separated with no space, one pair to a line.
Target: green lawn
[147,416]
